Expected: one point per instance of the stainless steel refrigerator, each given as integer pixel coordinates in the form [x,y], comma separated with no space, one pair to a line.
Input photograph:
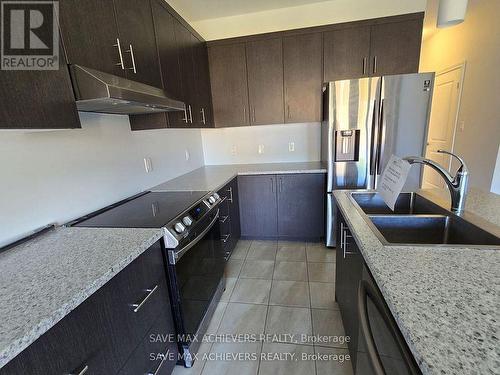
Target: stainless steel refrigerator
[367,120]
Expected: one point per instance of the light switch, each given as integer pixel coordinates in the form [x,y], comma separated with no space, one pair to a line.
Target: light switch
[261,149]
[291,146]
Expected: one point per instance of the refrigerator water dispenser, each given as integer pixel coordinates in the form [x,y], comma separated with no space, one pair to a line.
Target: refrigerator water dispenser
[347,145]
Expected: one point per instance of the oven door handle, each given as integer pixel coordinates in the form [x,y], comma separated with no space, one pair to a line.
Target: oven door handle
[174,256]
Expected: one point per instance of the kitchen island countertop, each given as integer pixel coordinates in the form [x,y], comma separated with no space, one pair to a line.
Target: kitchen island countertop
[445,300]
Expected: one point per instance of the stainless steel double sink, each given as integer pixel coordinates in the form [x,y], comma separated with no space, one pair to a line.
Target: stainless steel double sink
[418,221]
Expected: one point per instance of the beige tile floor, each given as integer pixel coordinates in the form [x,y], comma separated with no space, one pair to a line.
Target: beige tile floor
[276,288]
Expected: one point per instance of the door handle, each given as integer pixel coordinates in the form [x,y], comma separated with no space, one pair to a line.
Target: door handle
[118,45]
[132,57]
[138,306]
[82,371]
[190,114]
[203,116]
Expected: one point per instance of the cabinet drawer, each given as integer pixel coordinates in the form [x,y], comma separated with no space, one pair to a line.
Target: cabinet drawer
[157,353]
[78,341]
[135,298]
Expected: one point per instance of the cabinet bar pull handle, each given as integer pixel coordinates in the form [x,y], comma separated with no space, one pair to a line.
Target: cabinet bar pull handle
[137,306]
[82,371]
[374,64]
[131,51]
[272,185]
[203,116]
[118,45]
[223,219]
[230,191]
[157,371]
[185,118]
[253,114]
[364,65]
[190,114]
[227,236]
[244,114]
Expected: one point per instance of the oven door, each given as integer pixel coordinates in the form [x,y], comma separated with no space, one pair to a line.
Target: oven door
[196,280]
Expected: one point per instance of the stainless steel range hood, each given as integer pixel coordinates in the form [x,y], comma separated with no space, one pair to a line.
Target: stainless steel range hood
[96,91]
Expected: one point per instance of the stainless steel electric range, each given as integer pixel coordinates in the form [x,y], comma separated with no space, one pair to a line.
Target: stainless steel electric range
[192,250]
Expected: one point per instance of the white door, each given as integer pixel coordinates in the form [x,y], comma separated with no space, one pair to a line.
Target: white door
[445,103]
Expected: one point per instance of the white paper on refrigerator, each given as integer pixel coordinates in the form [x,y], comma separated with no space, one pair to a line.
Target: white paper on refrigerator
[393,179]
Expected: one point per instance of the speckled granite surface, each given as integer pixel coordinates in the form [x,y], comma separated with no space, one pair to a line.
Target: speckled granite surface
[44,279]
[213,177]
[445,300]
[483,204]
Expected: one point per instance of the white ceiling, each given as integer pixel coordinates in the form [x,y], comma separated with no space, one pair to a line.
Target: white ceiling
[198,10]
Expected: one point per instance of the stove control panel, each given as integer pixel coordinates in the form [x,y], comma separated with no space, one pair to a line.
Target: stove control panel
[181,226]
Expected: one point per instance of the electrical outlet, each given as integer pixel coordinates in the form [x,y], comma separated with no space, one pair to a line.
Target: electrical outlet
[187,155]
[148,165]
[291,146]
[261,149]
[234,150]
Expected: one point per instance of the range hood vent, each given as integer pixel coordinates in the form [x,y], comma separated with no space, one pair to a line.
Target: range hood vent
[96,91]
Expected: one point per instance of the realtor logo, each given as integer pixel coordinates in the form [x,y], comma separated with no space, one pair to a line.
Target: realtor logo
[30,35]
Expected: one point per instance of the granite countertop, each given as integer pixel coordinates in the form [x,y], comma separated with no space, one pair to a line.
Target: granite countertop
[44,279]
[213,177]
[445,300]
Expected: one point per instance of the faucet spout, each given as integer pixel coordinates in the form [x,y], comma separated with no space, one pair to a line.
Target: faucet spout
[457,185]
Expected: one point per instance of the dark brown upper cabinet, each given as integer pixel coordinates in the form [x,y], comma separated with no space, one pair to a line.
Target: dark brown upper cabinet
[302,77]
[90,35]
[203,115]
[346,53]
[37,99]
[185,45]
[137,35]
[115,37]
[168,49]
[228,79]
[395,47]
[265,81]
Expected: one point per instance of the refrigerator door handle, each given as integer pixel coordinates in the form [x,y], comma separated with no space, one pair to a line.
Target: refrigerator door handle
[381,136]
[374,134]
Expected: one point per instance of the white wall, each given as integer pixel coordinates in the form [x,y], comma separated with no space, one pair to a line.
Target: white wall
[475,41]
[315,14]
[218,144]
[59,175]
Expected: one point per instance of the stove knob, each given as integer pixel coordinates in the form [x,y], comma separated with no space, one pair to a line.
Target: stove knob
[216,196]
[179,228]
[187,221]
[212,200]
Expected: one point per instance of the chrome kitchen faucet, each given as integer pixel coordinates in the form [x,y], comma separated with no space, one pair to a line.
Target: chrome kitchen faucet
[456,184]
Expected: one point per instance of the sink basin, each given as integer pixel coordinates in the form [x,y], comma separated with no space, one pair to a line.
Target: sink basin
[431,229]
[418,221]
[407,204]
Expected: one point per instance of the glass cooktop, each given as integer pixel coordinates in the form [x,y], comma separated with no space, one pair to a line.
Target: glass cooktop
[151,210]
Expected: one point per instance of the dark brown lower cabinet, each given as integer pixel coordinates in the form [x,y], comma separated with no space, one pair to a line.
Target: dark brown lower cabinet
[110,328]
[230,216]
[288,206]
[301,205]
[258,206]
[349,266]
